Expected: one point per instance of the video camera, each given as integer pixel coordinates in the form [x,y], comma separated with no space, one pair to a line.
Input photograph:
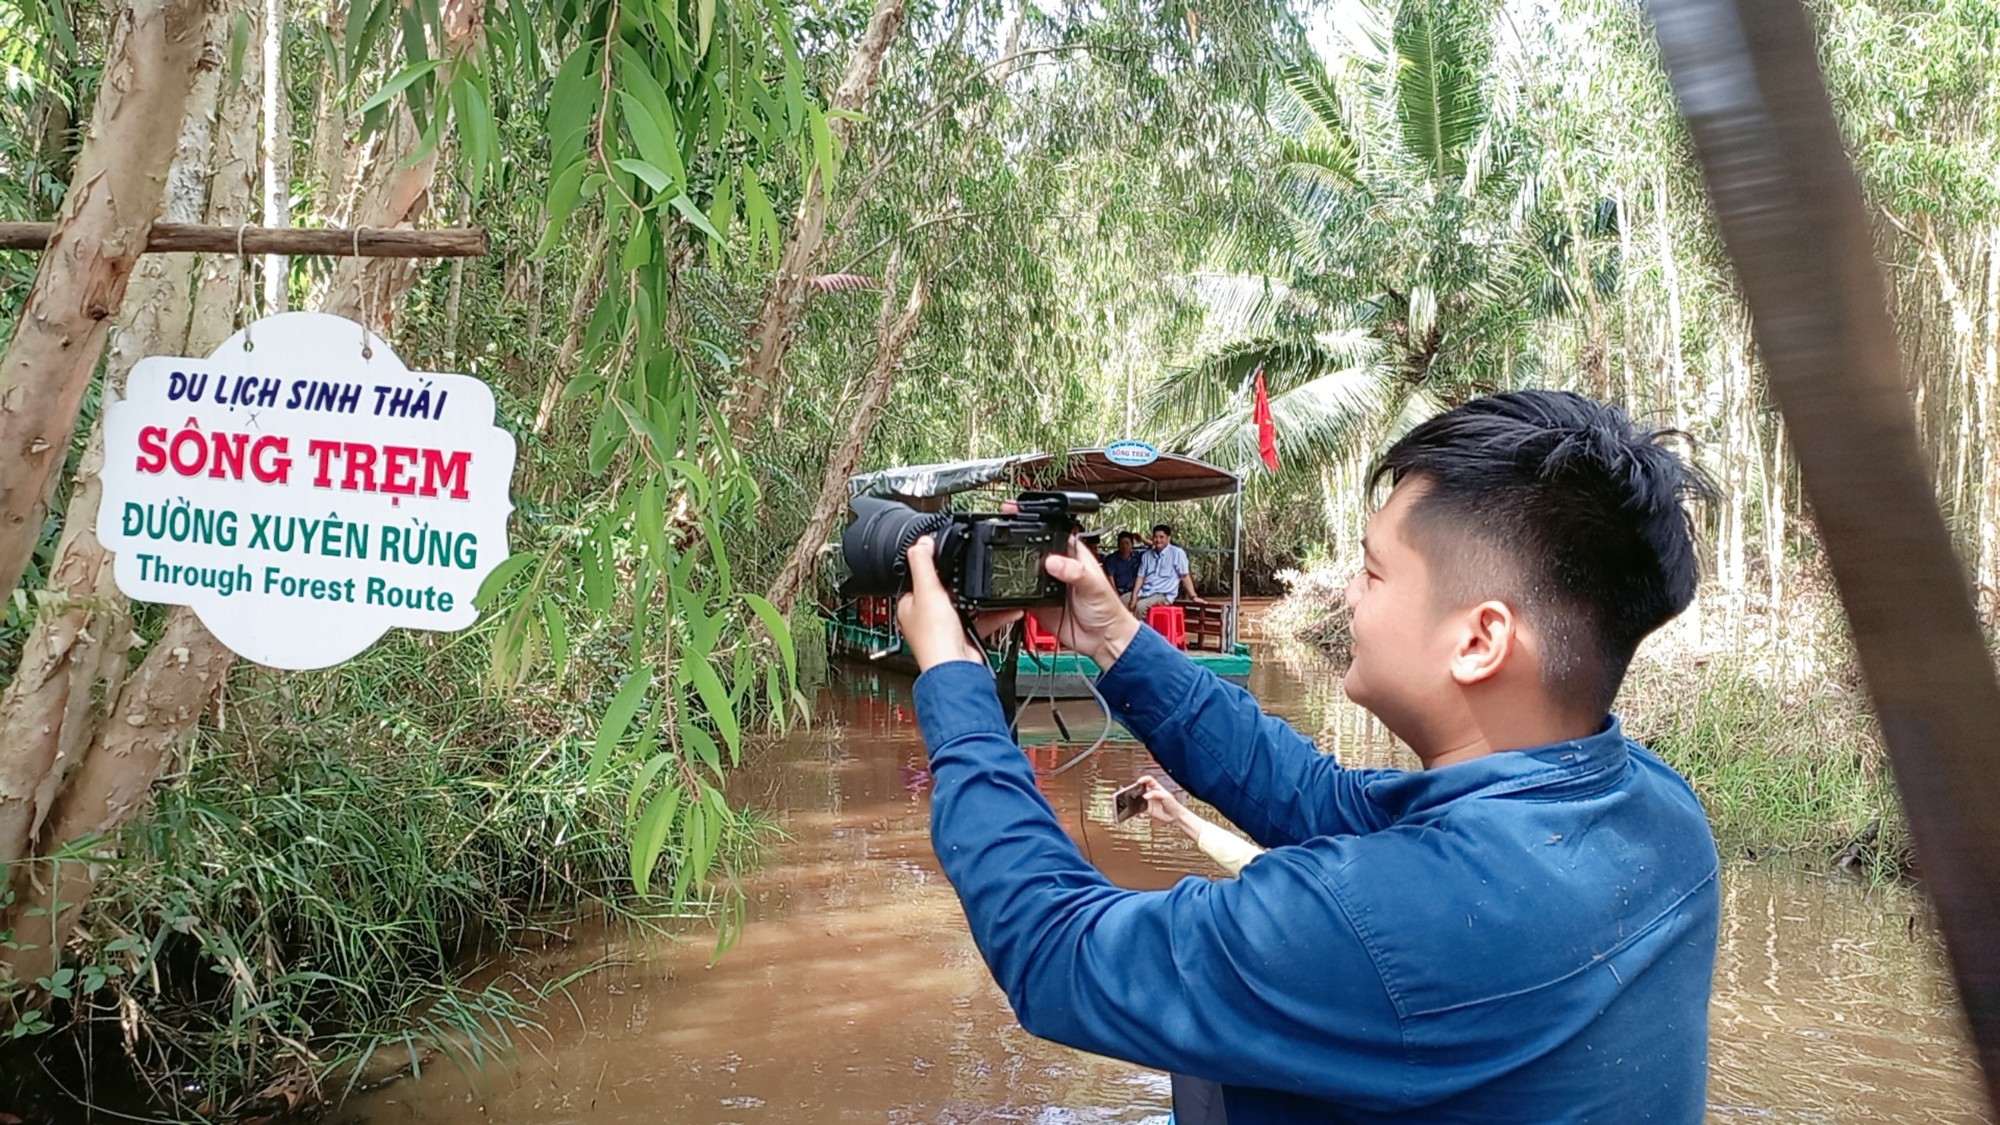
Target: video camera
[988,560]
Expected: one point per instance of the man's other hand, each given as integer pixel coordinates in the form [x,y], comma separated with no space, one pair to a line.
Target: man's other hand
[1095,621]
[930,621]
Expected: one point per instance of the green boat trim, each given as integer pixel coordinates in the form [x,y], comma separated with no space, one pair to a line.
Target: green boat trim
[1063,675]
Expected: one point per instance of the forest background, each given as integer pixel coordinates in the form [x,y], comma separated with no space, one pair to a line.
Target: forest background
[743,248]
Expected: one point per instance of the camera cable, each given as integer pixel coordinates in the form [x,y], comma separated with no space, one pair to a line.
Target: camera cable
[1090,682]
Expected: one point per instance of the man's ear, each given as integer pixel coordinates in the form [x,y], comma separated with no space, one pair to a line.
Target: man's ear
[1490,638]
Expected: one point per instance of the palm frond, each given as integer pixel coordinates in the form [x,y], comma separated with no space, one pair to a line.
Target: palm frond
[1335,417]
[1313,113]
[1240,305]
[1439,104]
[1211,385]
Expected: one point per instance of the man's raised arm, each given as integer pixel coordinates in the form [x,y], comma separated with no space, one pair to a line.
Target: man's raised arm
[1266,777]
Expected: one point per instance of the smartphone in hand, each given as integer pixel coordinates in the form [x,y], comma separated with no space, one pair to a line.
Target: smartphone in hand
[1128,802]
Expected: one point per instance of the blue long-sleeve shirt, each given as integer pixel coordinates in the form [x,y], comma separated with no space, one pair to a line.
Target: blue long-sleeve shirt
[1524,937]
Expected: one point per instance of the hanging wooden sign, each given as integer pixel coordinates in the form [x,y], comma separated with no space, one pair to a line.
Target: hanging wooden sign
[303,491]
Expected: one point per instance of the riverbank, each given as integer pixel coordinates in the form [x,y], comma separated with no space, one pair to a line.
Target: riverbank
[315,893]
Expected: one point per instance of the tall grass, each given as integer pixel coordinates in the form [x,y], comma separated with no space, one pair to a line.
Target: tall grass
[344,853]
[1788,766]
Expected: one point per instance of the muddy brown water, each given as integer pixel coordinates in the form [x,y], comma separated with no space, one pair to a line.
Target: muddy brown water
[855,993]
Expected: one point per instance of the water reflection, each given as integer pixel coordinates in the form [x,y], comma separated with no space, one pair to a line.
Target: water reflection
[856,994]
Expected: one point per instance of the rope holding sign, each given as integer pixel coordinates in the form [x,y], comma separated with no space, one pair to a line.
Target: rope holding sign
[361,279]
[245,293]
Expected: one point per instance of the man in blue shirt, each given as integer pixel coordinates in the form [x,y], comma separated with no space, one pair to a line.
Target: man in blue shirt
[1524,930]
[1123,566]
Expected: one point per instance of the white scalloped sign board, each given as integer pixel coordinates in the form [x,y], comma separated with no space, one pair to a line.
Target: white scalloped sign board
[301,497]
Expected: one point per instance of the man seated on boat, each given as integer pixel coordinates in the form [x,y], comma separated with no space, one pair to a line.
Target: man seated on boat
[1122,565]
[1523,930]
[1163,574]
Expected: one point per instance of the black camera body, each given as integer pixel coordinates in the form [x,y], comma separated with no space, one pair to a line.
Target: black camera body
[988,560]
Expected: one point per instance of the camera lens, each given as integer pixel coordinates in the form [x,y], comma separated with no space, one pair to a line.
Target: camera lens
[874,545]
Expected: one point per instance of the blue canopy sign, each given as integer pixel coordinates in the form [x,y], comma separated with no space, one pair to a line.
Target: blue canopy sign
[1131,453]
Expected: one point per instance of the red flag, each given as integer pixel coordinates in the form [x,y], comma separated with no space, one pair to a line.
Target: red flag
[1267,434]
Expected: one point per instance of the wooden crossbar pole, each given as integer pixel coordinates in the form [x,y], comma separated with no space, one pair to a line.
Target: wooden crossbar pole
[450,242]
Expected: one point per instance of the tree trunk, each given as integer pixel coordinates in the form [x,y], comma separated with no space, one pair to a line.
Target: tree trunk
[1774,529]
[1670,268]
[327,156]
[219,297]
[1629,388]
[81,633]
[101,230]
[785,302]
[155,710]
[589,288]
[277,154]
[396,195]
[892,336]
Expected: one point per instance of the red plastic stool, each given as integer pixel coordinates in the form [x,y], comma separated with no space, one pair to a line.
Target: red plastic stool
[1169,622]
[1038,638]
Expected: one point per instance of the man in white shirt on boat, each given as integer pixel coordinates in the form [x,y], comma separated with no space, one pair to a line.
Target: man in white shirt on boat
[1163,575]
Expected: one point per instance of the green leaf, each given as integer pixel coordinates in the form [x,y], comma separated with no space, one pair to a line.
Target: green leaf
[643,428]
[694,826]
[654,148]
[607,437]
[618,717]
[558,630]
[650,519]
[795,96]
[761,217]
[779,629]
[693,215]
[692,472]
[654,178]
[722,212]
[401,82]
[825,153]
[598,590]
[699,741]
[239,40]
[573,103]
[717,554]
[716,700]
[650,838]
[500,576]
[563,193]
[704,16]
[475,129]
[643,784]
[582,386]
[638,247]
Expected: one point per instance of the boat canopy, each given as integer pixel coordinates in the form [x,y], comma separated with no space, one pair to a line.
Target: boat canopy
[1170,477]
